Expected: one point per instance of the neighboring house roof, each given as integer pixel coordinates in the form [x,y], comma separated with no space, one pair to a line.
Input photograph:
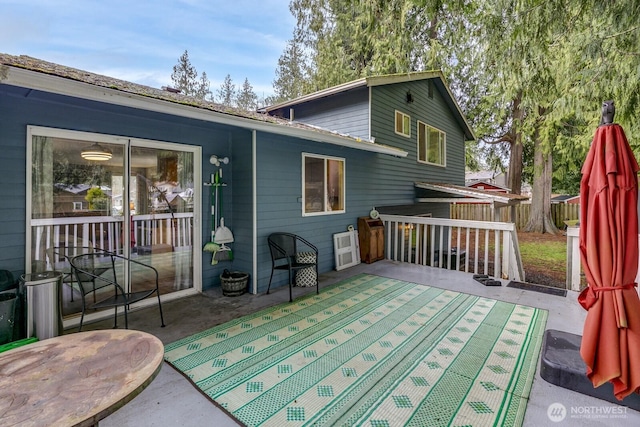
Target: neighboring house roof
[574,199]
[32,73]
[491,185]
[437,76]
[467,192]
[75,189]
[565,198]
[560,198]
[483,175]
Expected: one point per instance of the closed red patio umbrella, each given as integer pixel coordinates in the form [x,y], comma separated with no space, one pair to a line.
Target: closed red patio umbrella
[609,253]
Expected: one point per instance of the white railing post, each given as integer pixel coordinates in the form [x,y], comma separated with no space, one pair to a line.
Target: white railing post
[573,258]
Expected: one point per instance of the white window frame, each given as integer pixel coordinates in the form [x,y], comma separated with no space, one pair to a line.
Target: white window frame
[443,140]
[405,132]
[325,190]
[33,130]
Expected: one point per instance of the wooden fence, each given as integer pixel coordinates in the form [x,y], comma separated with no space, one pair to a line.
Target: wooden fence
[560,213]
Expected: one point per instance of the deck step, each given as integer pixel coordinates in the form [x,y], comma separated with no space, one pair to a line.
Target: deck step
[562,365]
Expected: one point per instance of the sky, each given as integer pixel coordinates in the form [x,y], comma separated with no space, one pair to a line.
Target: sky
[141,40]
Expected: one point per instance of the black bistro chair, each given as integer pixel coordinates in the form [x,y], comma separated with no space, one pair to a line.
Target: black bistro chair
[292,253]
[60,259]
[99,267]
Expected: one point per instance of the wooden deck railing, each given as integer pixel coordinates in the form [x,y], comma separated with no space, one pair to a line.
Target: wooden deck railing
[477,247]
[106,232]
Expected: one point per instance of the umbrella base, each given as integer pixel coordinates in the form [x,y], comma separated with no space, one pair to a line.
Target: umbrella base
[561,365]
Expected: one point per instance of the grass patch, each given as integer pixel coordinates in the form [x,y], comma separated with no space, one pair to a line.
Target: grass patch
[543,252]
[544,258]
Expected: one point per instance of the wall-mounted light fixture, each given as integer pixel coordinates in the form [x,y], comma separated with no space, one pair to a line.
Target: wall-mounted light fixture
[216,161]
[409,97]
[97,153]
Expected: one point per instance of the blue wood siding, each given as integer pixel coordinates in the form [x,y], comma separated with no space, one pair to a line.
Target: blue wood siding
[22,107]
[432,111]
[279,168]
[346,113]
[372,180]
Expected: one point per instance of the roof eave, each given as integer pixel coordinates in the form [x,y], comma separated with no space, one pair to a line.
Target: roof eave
[30,79]
[471,193]
[317,95]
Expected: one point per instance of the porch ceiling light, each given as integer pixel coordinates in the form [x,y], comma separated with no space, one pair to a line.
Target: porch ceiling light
[96,152]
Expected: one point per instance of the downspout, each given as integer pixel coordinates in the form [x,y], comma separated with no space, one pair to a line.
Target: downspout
[254,213]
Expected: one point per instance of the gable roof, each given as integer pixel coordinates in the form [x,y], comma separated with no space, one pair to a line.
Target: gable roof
[33,73]
[436,75]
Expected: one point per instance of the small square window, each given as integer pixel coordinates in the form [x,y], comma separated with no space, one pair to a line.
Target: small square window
[403,124]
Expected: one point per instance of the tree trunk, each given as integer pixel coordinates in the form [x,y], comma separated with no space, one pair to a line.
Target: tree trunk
[514,175]
[540,214]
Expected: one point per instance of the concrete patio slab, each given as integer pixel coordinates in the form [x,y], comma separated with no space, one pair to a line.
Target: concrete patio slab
[172,400]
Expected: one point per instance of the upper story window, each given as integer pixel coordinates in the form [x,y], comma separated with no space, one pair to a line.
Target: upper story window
[323,185]
[403,124]
[432,145]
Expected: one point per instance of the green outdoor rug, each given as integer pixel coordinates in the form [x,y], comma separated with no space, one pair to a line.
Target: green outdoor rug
[370,351]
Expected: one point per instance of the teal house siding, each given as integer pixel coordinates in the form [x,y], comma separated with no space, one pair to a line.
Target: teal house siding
[346,112]
[21,107]
[264,176]
[431,110]
[279,189]
[377,100]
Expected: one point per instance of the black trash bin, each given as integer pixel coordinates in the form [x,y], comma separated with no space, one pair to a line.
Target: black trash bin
[8,307]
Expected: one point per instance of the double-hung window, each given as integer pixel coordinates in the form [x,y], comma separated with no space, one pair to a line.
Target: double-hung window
[403,124]
[432,145]
[323,185]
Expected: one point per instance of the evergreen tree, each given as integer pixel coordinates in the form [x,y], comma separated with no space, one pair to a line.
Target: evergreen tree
[185,78]
[227,92]
[203,90]
[530,75]
[291,74]
[246,97]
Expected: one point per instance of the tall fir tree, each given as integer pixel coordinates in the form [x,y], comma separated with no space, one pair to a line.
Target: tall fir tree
[227,92]
[291,74]
[185,78]
[246,97]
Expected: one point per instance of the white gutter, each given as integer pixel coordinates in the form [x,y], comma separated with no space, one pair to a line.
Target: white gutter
[63,86]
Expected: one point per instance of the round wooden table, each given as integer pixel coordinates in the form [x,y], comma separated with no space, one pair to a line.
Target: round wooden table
[76,379]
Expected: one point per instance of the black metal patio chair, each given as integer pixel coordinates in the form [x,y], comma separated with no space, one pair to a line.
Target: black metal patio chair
[100,268]
[292,253]
[60,260]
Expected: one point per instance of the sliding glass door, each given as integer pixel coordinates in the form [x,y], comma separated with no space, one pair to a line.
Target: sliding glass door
[133,197]
[161,204]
